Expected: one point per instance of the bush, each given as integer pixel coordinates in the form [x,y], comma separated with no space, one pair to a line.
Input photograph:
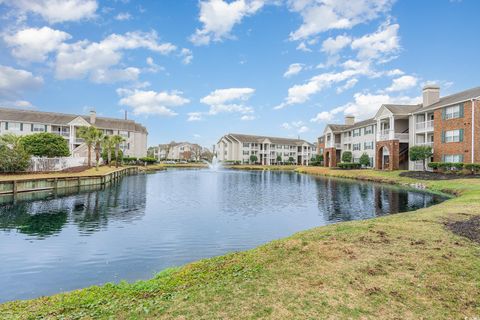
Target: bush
[364,160]
[148,160]
[349,165]
[13,157]
[45,144]
[253,158]
[434,166]
[316,160]
[130,160]
[347,157]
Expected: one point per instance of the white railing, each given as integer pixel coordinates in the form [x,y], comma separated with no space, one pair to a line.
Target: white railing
[424,126]
[401,136]
[62,133]
[347,139]
[428,144]
[39,164]
[384,135]
[338,146]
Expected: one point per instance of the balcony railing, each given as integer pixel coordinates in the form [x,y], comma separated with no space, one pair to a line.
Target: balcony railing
[424,126]
[428,144]
[62,133]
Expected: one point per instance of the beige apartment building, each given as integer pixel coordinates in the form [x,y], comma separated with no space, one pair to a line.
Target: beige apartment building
[24,122]
[177,151]
[239,147]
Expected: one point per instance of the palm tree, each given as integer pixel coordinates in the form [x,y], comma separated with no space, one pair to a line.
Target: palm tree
[87,134]
[117,140]
[98,137]
[108,145]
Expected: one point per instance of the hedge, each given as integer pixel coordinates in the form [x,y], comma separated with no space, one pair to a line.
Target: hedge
[455,167]
[349,165]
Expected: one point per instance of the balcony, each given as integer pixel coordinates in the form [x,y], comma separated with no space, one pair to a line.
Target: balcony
[386,135]
[62,133]
[424,126]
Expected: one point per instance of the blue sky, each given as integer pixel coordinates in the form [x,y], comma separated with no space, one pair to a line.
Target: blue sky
[195,70]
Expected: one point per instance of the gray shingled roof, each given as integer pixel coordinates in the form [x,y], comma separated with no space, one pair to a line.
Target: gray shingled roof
[258,139]
[363,123]
[53,118]
[337,127]
[454,98]
[402,108]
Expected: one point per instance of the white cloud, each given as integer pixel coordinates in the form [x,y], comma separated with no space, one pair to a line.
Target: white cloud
[247,118]
[303,47]
[293,69]
[395,72]
[334,45]
[381,44]
[84,58]
[151,102]
[123,16]
[115,75]
[364,106]
[348,85]
[229,100]
[402,83]
[34,44]
[187,56]
[15,81]
[219,17]
[195,116]
[323,15]
[298,126]
[301,93]
[55,11]
[153,67]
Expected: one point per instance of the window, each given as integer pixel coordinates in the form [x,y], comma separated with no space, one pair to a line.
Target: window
[368,130]
[452,136]
[356,132]
[246,153]
[368,145]
[453,158]
[14,126]
[246,145]
[38,128]
[453,112]
[124,134]
[357,146]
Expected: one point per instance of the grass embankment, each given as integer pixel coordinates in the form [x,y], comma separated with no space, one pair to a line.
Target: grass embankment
[403,266]
[102,170]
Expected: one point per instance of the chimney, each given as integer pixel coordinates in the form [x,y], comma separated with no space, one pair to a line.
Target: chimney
[126,115]
[349,120]
[431,94]
[93,117]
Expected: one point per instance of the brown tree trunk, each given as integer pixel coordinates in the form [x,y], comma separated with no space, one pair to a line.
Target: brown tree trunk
[116,155]
[89,155]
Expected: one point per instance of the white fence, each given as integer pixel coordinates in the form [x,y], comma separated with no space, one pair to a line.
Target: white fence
[39,164]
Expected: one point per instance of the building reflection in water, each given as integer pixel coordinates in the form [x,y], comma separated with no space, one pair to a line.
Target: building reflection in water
[43,214]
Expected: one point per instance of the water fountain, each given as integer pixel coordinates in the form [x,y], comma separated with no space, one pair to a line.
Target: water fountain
[215,164]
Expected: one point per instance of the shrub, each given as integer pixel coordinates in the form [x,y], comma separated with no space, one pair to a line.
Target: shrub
[130,160]
[112,154]
[148,160]
[13,157]
[347,157]
[457,166]
[434,165]
[349,165]
[45,144]
[253,158]
[316,160]
[365,160]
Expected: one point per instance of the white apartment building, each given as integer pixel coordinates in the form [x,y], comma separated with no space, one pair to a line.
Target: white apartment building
[24,122]
[239,147]
[178,151]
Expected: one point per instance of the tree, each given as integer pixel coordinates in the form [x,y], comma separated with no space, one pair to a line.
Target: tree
[291,160]
[98,137]
[365,160]
[253,158]
[420,153]
[117,140]
[187,155]
[347,156]
[279,159]
[13,157]
[107,147]
[45,144]
[88,134]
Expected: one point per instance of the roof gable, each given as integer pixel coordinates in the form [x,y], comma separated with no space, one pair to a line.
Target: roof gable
[79,121]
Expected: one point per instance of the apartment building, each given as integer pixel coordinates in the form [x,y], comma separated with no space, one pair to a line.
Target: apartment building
[178,151]
[450,125]
[24,122]
[269,150]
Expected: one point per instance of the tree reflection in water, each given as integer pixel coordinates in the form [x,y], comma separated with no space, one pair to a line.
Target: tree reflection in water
[89,208]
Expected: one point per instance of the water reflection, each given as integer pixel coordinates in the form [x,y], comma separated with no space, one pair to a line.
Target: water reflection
[89,208]
[145,223]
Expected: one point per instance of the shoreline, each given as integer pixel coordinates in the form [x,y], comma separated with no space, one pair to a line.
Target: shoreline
[242,271]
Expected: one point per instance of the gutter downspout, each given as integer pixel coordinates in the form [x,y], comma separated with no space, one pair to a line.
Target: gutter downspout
[473,128]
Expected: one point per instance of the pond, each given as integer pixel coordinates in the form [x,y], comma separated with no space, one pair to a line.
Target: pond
[51,243]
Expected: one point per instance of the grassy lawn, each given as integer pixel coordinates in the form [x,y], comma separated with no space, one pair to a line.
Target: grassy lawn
[89,172]
[403,266]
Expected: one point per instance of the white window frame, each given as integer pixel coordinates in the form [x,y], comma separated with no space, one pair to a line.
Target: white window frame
[452,112]
[452,136]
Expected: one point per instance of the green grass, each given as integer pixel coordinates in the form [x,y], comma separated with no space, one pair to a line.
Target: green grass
[403,266]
